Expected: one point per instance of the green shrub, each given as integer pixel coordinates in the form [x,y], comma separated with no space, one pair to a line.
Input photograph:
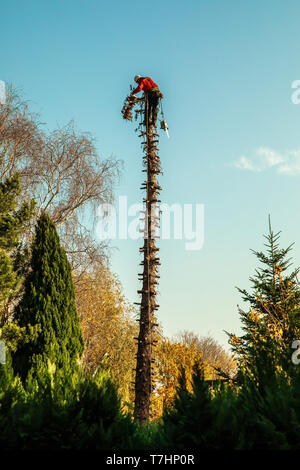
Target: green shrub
[62,411]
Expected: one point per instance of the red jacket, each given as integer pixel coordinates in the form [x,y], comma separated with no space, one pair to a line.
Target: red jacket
[145,83]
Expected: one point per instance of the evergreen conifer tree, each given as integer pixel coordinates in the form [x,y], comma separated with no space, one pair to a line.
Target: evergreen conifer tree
[273,321]
[190,421]
[13,220]
[49,302]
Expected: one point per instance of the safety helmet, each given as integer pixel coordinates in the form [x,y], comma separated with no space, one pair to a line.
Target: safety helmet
[136,78]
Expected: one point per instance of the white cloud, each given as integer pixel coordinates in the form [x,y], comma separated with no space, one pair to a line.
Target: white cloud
[244,164]
[264,158]
[269,157]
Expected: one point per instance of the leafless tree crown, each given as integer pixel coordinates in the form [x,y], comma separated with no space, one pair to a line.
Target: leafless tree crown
[62,171]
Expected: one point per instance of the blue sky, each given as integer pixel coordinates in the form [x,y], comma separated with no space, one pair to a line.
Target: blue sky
[226,68]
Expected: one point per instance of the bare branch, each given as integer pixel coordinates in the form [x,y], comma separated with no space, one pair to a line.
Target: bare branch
[62,171]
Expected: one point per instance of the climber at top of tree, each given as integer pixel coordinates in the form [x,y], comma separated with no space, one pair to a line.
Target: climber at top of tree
[146,84]
[152,93]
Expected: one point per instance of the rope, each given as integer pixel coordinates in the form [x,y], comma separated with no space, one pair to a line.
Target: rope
[161,109]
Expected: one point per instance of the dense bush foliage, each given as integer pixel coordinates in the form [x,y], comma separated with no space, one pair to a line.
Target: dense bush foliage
[61,410]
[72,411]
[241,417]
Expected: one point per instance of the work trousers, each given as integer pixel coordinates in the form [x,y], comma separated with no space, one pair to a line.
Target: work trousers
[153,97]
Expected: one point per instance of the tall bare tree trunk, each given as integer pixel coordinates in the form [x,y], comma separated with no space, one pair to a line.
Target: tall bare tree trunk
[150,263]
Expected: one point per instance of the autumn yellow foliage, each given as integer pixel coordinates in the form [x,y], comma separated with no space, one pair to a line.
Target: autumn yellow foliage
[173,355]
[108,328]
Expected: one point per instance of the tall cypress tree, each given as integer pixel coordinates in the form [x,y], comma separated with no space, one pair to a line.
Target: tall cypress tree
[13,220]
[48,301]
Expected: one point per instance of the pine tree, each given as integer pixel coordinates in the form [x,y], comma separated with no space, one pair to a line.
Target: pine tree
[272,322]
[49,302]
[190,421]
[13,220]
